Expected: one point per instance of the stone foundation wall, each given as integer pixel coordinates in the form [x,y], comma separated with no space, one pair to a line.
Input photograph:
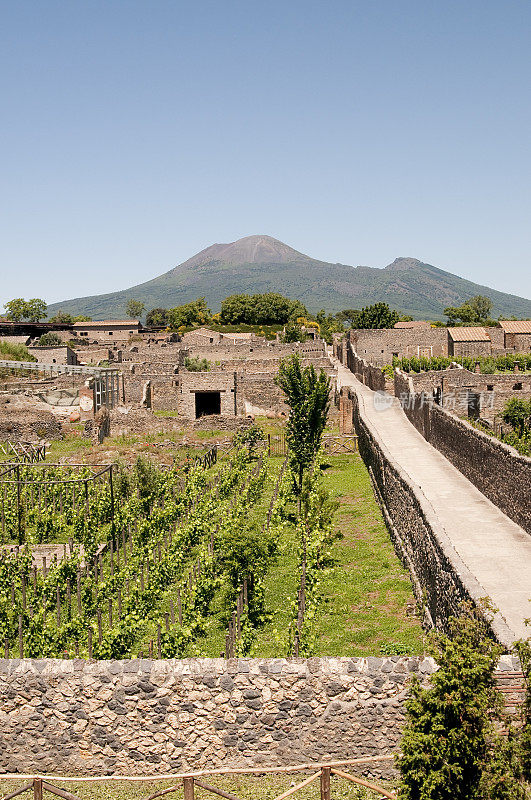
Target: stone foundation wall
[159,716]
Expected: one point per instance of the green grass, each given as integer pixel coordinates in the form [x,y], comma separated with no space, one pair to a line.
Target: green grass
[367,600]
[246,787]
[368,591]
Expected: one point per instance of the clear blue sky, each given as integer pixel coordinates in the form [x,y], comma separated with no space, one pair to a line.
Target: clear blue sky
[136,133]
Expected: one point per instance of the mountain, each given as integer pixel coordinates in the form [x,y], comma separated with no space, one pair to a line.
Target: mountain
[263,264]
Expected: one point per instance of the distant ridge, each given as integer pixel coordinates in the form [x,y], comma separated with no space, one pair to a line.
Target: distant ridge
[264,264]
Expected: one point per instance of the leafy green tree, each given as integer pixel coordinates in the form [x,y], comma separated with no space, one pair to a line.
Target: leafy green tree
[35,309]
[308,397]
[378,315]
[16,309]
[194,313]
[31,310]
[196,364]
[157,317]
[328,325]
[349,316]
[260,309]
[293,333]
[449,746]
[50,339]
[135,308]
[517,414]
[476,310]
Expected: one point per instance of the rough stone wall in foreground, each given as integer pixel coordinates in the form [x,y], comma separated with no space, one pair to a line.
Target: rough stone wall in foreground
[139,715]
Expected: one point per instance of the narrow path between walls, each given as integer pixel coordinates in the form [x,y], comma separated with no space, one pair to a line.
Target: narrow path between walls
[495,550]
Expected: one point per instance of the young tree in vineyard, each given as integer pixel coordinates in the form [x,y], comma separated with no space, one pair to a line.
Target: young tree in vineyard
[308,397]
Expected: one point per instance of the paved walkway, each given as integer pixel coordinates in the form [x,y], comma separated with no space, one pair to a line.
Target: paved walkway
[493,547]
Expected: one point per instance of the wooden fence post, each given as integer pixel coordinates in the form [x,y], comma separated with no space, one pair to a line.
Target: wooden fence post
[188,785]
[37,788]
[325,783]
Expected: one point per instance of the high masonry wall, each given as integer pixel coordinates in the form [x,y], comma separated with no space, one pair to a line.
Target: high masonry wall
[497,470]
[441,581]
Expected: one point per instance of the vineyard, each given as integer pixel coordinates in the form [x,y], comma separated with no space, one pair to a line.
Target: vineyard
[487,364]
[148,558]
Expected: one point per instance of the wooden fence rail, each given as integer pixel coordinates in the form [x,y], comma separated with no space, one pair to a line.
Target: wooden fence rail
[188,782]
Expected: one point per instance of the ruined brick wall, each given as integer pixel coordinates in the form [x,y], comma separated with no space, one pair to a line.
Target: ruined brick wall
[469,349]
[117,716]
[25,425]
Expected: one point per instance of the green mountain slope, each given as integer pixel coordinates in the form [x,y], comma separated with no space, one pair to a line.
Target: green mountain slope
[263,264]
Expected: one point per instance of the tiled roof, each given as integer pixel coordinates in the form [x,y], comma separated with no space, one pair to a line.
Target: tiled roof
[463,334]
[107,323]
[413,323]
[516,325]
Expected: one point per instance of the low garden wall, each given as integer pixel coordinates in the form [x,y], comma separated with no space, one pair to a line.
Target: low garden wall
[140,716]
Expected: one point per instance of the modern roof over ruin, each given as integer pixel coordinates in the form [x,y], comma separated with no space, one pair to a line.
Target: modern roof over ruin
[462,334]
[516,325]
[108,323]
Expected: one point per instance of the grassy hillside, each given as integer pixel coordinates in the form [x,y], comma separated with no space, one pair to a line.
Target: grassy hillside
[407,284]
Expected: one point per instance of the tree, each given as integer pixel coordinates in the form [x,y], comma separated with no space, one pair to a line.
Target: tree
[35,309]
[293,333]
[308,397]
[517,414]
[350,316]
[378,315]
[31,310]
[157,317]
[189,314]
[260,309]
[62,318]
[476,310]
[135,308]
[328,325]
[445,745]
[50,339]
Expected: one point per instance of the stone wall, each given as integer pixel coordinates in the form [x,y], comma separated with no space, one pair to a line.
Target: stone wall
[498,471]
[379,346]
[158,716]
[494,390]
[441,580]
[368,374]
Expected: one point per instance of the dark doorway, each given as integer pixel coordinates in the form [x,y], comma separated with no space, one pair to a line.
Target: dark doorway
[207,403]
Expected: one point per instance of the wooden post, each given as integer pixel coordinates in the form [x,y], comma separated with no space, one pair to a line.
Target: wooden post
[159,648]
[78,591]
[325,783]
[179,607]
[172,612]
[90,642]
[20,639]
[188,786]
[37,788]
[58,602]
[100,634]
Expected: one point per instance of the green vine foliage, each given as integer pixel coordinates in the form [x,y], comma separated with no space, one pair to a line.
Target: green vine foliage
[167,520]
